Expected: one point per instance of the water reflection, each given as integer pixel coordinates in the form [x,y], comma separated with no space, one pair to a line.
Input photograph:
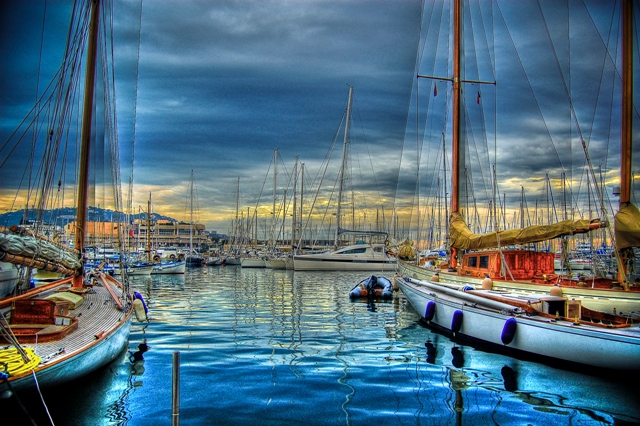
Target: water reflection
[485,384]
[277,347]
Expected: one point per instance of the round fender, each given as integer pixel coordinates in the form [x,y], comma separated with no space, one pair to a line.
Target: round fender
[139,297]
[456,321]
[430,310]
[138,308]
[509,331]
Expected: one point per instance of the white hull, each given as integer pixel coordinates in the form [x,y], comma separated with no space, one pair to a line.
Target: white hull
[231,260]
[594,346]
[593,298]
[173,267]
[249,262]
[133,269]
[280,263]
[8,278]
[361,257]
[320,264]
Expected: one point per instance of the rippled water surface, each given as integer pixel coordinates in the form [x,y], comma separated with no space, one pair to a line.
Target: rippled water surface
[268,347]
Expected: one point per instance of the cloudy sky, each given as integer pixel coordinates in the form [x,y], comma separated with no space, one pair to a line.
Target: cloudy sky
[220,85]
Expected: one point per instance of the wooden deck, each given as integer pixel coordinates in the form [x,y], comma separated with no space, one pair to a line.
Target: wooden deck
[102,332]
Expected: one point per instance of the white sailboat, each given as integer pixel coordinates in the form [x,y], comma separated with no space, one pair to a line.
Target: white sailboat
[161,264]
[192,258]
[361,256]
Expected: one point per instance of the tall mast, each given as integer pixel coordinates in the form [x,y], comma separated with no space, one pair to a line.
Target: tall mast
[455,148]
[275,186]
[627,102]
[149,229]
[85,149]
[191,215]
[344,163]
[294,217]
[301,200]
[627,124]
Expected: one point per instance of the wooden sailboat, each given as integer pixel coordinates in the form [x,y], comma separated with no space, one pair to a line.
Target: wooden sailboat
[476,256]
[552,325]
[68,328]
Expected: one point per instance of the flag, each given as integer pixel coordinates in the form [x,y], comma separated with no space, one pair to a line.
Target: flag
[131,233]
[478,99]
[435,89]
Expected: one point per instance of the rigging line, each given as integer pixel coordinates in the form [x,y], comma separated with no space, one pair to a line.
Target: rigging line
[320,175]
[529,83]
[573,112]
[135,108]
[566,89]
[35,128]
[483,31]
[364,136]
[415,86]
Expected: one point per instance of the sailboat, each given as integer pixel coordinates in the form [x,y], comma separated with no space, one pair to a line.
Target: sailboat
[160,265]
[551,325]
[361,256]
[232,258]
[68,328]
[495,254]
[192,258]
[285,260]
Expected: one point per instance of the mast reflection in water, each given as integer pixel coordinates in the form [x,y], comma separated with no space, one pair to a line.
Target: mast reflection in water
[274,347]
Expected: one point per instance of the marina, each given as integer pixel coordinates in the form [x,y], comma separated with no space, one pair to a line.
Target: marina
[472,258]
[265,345]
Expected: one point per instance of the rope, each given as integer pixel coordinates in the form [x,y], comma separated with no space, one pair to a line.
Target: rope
[13,362]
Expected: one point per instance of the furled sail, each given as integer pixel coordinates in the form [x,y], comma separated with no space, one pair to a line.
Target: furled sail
[463,238]
[34,248]
[627,227]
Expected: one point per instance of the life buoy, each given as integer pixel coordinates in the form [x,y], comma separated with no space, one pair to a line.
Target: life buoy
[172,256]
[156,258]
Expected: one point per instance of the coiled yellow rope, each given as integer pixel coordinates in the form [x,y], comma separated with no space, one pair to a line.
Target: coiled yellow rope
[14,362]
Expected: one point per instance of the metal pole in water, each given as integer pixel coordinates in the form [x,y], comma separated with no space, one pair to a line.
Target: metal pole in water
[175,403]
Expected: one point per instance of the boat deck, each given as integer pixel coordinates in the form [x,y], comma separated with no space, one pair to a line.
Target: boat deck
[98,318]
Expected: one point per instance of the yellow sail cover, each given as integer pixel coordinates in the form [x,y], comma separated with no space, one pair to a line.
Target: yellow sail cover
[627,227]
[463,238]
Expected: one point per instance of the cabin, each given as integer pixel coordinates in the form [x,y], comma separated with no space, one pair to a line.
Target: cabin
[521,264]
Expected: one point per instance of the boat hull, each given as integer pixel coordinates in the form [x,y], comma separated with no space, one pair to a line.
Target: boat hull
[320,263]
[76,365]
[599,299]
[172,267]
[617,349]
[9,277]
[101,334]
[253,263]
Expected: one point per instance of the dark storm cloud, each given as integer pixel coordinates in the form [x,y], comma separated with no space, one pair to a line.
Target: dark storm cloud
[222,84]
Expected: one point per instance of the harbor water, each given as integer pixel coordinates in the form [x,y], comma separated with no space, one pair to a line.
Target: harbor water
[272,347]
